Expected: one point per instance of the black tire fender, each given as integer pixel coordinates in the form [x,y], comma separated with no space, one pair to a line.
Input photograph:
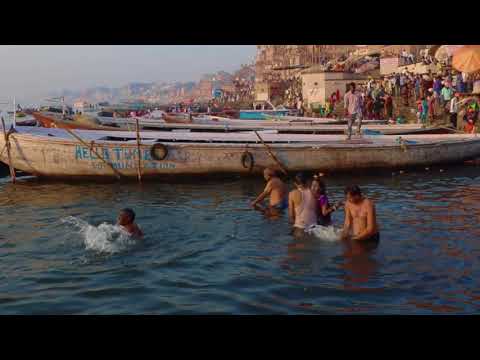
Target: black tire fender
[159,152]
[247,160]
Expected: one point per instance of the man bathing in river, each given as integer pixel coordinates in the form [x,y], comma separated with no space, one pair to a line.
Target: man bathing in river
[302,206]
[360,217]
[276,190]
[126,219]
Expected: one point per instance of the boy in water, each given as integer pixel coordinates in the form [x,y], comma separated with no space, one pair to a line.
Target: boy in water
[126,219]
[276,190]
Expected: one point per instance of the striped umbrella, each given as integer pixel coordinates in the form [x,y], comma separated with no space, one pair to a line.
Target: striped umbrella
[467,59]
[445,51]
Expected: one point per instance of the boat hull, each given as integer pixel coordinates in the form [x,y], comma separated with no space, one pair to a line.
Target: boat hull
[67,158]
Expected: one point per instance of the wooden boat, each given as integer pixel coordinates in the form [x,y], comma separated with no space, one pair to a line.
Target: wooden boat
[55,120]
[407,129]
[56,153]
[323,120]
[261,114]
[220,124]
[177,118]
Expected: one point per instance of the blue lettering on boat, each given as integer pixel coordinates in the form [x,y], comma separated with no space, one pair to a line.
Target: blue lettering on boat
[85,153]
[78,152]
[118,152]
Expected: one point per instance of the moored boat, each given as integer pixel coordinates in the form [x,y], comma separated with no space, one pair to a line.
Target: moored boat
[220,124]
[56,153]
[261,114]
[56,120]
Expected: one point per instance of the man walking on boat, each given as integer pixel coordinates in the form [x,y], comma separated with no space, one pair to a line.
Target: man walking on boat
[353,109]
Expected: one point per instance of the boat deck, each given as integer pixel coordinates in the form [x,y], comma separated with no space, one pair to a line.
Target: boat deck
[248,137]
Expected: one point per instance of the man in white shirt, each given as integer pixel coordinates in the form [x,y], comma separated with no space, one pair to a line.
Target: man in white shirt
[404,55]
[454,110]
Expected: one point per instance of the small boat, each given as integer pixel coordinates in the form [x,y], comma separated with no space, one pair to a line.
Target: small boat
[56,120]
[32,122]
[56,153]
[261,114]
[177,118]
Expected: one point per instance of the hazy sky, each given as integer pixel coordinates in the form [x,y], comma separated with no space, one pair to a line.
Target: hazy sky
[30,72]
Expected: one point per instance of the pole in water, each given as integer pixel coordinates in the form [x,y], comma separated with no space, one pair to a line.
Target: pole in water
[139,165]
[7,144]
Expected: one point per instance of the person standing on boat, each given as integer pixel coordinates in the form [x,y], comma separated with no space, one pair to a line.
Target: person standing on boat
[353,109]
[276,190]
[360,217]
[302,206]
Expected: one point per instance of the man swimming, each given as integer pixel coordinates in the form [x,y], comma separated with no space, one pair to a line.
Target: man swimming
[275,189]
[126,219]
[360,217]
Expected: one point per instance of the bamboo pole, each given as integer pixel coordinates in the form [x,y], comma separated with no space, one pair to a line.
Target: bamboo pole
[14,113]
[139,167]
[271,154]
[117,173]
[7,144]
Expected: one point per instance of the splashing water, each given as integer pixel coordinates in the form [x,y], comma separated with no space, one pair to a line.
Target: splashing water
[325,233]
[104,238]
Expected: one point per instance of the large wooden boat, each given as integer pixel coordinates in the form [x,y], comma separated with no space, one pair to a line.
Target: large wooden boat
[220,124]
[56,153]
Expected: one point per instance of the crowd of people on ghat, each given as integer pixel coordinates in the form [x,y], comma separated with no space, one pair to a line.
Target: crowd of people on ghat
[433,98]
[308,206]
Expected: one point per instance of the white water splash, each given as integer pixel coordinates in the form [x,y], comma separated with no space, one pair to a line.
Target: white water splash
[325,233]
[104,238]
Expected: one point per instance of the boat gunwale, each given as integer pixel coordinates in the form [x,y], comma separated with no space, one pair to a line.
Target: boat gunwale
[338,145]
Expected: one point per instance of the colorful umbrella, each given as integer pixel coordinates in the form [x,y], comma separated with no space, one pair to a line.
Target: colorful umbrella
[467,59]
[445,51]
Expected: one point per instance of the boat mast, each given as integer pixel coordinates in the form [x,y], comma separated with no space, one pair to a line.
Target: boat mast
[14,113]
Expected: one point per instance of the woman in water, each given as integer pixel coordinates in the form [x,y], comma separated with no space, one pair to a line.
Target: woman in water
[324,210]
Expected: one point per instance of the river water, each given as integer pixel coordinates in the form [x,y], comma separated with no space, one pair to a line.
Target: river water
[206,252]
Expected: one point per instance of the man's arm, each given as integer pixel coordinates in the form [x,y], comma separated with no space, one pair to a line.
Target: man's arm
[371,224]
[263,195]
[347,223]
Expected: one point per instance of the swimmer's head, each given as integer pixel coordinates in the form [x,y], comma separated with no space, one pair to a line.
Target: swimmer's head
[353,193]
[126,216]
[300,180]
[268,173]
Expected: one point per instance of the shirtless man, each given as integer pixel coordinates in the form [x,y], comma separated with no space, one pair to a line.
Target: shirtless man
[275,189]
[360,217]
[302,206]
[126,219]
